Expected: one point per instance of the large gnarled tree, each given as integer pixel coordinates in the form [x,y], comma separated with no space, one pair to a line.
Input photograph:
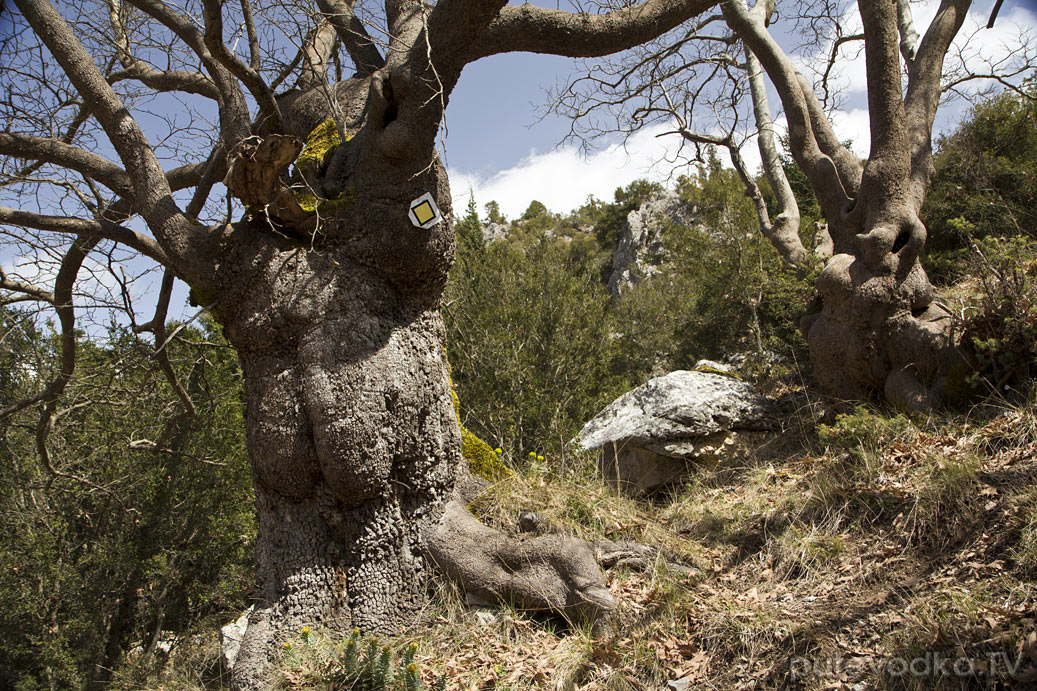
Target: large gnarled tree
[879,330]
[327,290]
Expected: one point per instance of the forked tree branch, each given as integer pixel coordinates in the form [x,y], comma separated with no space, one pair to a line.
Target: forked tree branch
[235,121]
[819,167]
[357,42]
[63,305]
[135,68]
[70,134]
[27,289]
[253,81]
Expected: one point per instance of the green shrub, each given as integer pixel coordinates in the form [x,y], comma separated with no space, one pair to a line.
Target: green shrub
[1000,335]
[531,343]
[87,573]
[863,432]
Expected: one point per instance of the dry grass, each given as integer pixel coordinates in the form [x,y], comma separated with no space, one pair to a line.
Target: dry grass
[828,559]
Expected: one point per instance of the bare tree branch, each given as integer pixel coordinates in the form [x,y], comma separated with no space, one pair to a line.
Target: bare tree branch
[819,167]
[253,38]
[833,58]
[923,91]
[253,81]
[235,121]
[539,30]
[135,68]
[172,80]
[784,231]
[58,152]
[908,34]
[316,57]
[178,237]
[157,326]
[63,284]
[27,289]
[993,14]
[70,134]
[96,229]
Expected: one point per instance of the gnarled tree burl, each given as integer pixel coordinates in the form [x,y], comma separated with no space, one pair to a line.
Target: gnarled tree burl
[334,311]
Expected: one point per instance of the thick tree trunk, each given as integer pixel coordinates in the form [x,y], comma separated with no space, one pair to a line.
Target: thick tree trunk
[354,446]
[879,330]
[353,439]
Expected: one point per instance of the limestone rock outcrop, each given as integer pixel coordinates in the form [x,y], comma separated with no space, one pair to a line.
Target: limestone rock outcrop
[640,250]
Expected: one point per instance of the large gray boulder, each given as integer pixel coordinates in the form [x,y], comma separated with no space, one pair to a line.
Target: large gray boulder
[653,436]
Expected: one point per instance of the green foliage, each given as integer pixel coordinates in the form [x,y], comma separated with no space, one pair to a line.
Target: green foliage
[723,289]
[145,541]
[493,214]
[469,229]
[536,209]
[985,183]
[536,222]
[1000,335]
[530,342]
[864,431]
[610,217]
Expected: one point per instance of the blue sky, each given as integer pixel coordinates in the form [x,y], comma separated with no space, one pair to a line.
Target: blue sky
[498,147]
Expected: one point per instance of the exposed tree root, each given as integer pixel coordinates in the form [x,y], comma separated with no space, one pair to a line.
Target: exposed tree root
[550,572]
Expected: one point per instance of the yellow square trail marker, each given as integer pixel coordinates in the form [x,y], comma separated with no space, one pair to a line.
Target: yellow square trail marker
[423,212]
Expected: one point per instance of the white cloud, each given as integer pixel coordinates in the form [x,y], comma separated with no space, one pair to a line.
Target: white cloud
[853,125]
[562,179]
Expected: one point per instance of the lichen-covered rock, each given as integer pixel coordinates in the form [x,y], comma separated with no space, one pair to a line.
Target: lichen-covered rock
[649,436]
